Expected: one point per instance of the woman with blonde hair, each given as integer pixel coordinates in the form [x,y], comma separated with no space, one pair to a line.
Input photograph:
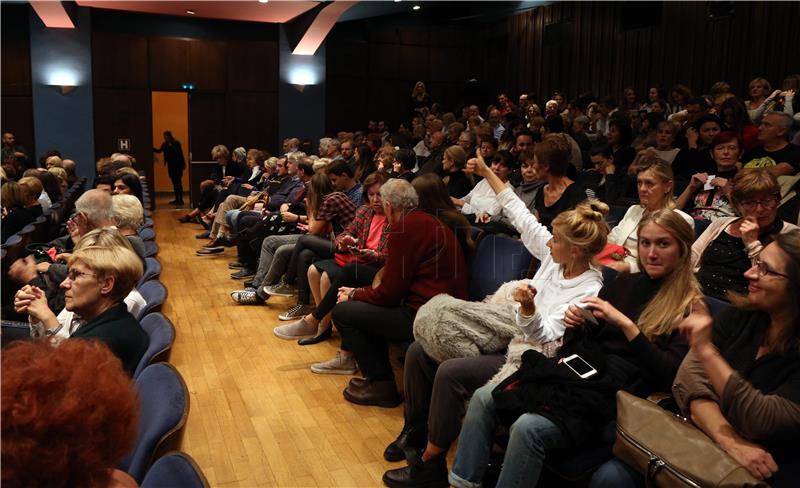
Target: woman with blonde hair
[99,280]
[654,182]
[760,98]
[529,313]
[420,100]
[631,342]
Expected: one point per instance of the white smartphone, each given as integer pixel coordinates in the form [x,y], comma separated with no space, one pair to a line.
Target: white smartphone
[587,314]
[579,366]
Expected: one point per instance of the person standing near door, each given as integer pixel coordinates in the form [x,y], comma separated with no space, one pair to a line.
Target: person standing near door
[173,158]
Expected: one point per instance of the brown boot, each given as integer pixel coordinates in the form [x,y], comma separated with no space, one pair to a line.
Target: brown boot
[382,393]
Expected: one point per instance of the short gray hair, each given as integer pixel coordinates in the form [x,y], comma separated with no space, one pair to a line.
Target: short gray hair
[399,194]
[784,119]
[96,206]
[127,211]
[582,119]
[296,157]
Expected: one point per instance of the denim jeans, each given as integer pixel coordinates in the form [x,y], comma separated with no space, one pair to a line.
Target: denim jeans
[531,436]
[616,474]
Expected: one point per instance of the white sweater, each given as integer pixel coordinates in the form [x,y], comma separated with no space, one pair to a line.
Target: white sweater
[554,292]
[482,200]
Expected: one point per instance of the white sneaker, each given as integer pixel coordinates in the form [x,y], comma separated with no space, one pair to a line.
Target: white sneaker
[341,364]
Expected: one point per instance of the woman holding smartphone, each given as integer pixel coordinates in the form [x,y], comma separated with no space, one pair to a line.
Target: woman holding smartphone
[635,346]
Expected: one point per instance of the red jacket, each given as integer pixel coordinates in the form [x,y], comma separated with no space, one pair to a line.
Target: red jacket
[424,260]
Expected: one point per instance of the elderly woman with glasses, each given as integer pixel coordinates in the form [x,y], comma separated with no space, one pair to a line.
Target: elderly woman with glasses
[97,287]
[729,246]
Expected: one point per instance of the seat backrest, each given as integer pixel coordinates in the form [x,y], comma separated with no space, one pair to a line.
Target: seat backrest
[147,233]
[162,335]
[42,231]
[164,406]
[154,295]
[175,469]
[497,260]
[150,248]
[152,268]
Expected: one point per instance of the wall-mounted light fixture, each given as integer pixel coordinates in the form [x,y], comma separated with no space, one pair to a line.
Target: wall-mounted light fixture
[63,80]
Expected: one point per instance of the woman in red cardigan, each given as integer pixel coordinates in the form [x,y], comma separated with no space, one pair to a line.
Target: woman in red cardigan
[424,260]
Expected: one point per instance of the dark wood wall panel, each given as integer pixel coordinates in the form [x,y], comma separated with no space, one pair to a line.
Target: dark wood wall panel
[598,55]
[372,67]
[207,65]
[16,113]
[207,119]
[169,63]
[249,121]
[251,66]
[119,60]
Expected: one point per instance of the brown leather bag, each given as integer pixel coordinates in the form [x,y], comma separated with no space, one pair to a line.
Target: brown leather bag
[670,451]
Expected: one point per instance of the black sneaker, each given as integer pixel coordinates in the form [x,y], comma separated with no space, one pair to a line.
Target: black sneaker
[236,265]
[208,251]
[243,274]
[249,284]
[203,235]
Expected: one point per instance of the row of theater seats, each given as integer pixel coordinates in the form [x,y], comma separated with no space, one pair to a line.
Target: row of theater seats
[163,396]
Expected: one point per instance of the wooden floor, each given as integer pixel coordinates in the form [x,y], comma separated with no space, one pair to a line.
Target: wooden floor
[258,416]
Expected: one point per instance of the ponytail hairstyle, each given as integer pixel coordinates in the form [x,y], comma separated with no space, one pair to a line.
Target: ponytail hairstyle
[680,288]
[584,226]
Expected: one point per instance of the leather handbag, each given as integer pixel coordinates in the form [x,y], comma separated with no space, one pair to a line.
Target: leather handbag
[670,451]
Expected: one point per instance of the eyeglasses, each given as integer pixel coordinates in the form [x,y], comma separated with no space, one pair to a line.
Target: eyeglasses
[763,269]
[73,274]
[767,203]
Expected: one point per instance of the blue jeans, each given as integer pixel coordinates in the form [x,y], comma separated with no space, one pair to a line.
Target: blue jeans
[531,436]
[616,474]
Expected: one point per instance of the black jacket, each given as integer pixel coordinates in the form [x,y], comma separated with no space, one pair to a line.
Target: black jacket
[122,333]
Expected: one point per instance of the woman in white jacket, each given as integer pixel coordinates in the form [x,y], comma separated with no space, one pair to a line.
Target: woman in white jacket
[435,393]
[654,182]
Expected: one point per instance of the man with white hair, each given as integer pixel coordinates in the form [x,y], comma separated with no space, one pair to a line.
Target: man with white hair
[775,153]
[329,148]
[424,260]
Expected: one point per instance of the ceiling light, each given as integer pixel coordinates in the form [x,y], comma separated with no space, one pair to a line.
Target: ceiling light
[415,7]
[263,1]
[190,12]
[397,1]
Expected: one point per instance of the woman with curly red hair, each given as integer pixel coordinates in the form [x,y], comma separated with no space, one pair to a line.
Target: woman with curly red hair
[69,414]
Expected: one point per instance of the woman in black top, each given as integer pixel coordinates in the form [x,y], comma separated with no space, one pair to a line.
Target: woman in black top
[173,158]
[550,161]
[727,248]
[458,182]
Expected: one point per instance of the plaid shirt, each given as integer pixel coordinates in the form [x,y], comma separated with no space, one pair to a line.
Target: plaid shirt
[338,210]
[359,228]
